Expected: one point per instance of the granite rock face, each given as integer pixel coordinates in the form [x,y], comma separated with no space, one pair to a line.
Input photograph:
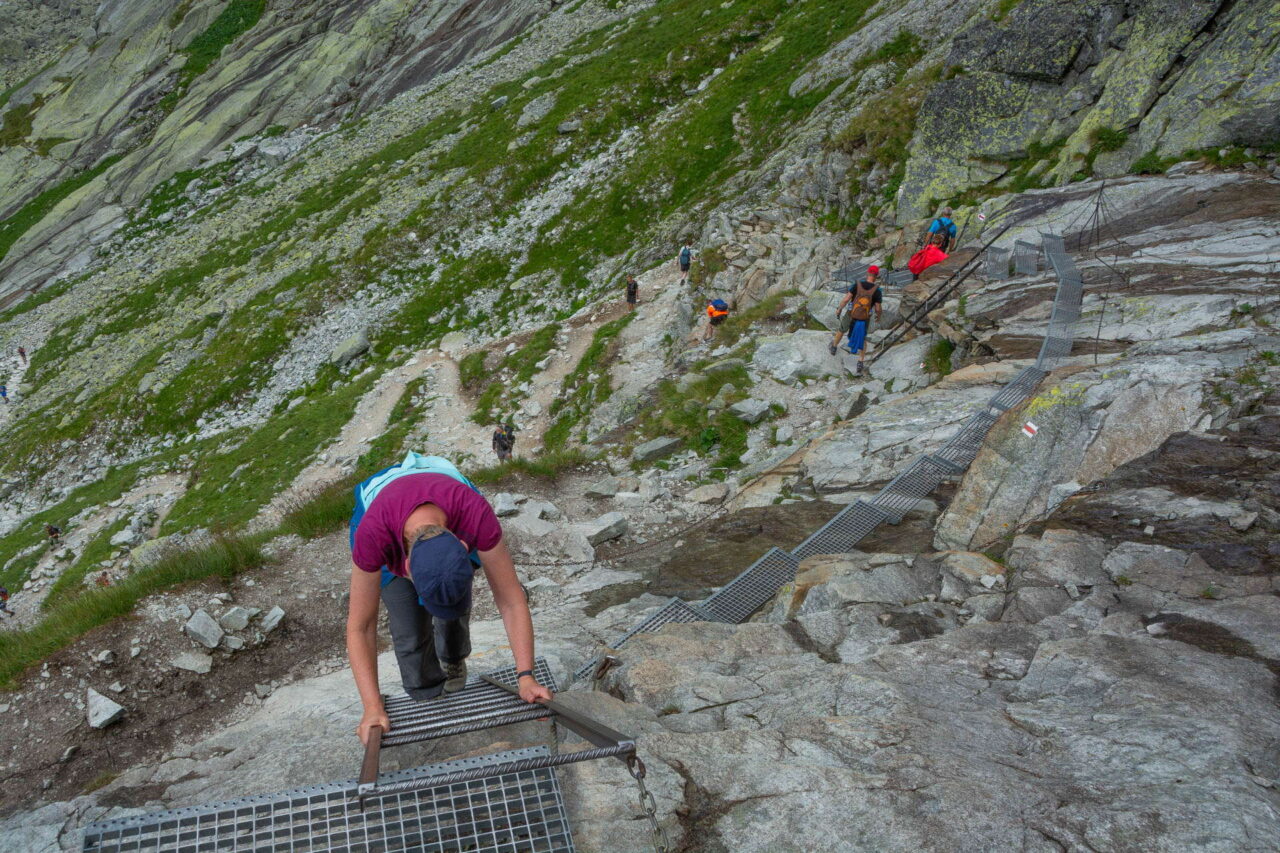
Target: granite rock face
[1170,76]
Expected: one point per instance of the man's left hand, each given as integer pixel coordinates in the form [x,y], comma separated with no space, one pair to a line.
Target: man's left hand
[531,691]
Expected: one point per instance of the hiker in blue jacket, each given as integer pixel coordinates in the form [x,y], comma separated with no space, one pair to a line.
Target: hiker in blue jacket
[944,226]
[685,259]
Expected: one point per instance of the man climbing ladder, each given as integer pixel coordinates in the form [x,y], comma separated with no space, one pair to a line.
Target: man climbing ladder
[418,531]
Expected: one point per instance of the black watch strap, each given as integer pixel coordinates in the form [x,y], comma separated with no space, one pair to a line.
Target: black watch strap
[522,673]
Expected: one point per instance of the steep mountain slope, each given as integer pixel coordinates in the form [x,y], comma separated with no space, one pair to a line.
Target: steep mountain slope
[256,250]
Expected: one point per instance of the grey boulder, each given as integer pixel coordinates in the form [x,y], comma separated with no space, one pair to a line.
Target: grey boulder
[202,628]
[102,711]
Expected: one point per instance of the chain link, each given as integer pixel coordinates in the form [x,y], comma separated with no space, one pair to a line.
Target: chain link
[661,844]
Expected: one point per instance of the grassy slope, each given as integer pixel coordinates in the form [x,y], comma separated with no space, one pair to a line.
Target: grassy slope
[618,78]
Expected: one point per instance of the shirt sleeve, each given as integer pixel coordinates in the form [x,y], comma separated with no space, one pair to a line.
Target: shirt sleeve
[879,297]
[368,553]
[482,522]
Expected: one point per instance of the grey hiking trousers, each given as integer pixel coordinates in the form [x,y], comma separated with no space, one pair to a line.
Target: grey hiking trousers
[423,644]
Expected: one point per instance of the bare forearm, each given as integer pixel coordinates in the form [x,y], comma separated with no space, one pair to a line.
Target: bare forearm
[362,651]
[519,625]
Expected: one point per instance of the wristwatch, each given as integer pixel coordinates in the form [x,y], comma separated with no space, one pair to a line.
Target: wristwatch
[522,673]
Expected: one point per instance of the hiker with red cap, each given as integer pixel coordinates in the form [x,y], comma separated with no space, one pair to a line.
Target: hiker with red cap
[419,531]
[863,298]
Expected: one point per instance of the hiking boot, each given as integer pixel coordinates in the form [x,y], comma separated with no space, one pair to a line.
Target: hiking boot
[860,368]
[455,676]
[831,348]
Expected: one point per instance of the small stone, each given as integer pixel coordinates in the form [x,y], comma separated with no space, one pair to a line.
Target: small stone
[350,349]
[197,662]
[116,687]
[656,449]
[505,505]
[102,711]
[712,493]
[784,434]
[1243,521]
[202,628]
[609,526]
[606,488]
[272,619]
[1149,530]
[235,619]
[233,643]
[105,657]
[68,752]
[183,611]
[751,411]
[262,691]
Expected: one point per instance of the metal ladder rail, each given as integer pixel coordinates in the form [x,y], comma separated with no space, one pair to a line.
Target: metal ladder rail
[939,296]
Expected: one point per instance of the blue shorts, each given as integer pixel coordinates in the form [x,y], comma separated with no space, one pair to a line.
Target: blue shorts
[858,335]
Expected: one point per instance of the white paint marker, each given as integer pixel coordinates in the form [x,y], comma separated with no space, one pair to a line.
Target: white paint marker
[1030,429]
[982,217]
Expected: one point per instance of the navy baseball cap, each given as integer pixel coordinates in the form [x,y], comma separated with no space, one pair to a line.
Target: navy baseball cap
[442,573]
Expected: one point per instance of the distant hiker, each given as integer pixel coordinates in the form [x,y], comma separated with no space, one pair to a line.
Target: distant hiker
[104,579]
[418,531]
[22,354]
[863,298]
[633,292]
[54,533]
[944,227]
[504,439]
[928,256]
[685,259]
[4,602]
[717,311]
[4,394]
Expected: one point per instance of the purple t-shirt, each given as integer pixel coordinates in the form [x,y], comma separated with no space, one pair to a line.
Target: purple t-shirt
[380,535]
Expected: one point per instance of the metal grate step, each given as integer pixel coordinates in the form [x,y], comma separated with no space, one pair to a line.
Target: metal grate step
[1017,389]
[516,811]
[996,267]
[674,610]
[477,706]
[899,277]
[1026,258]
[737,600]
[838,536]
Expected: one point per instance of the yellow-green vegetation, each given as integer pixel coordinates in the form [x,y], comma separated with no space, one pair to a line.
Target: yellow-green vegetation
[224,556]
[15,125]
[36,209]
[322,510]
[72,578]
[235,19]
[471,370]
[683,409]
[580,393]
[938,358]
[246,471]
[500,397]
[1057,397]
[546,466]
[741,322]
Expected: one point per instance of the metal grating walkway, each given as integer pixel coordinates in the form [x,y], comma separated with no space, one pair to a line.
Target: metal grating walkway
[1026,258]
[996,267]
[675,610]
[737,600]
[748,592]
[849,526]
[497,814]
[479,705]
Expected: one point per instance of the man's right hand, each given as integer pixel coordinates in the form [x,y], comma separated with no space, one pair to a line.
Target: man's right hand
[371,719]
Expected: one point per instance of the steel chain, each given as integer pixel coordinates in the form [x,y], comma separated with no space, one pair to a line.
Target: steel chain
[661,844]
